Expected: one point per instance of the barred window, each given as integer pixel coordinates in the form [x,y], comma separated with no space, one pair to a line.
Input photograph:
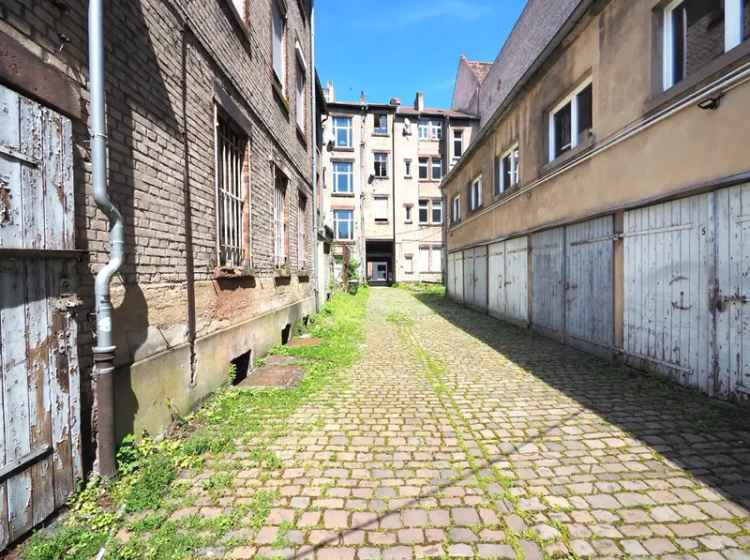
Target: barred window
[231,146]
[281,247]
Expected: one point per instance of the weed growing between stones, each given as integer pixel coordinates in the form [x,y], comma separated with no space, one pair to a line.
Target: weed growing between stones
[148,513]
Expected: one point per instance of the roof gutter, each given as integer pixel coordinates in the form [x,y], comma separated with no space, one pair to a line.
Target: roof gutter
[502,109]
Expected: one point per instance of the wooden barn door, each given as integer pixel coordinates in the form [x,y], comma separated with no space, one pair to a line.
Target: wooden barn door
[40,456]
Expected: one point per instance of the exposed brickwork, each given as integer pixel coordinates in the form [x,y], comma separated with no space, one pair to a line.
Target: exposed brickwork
[459,436]
[165,59]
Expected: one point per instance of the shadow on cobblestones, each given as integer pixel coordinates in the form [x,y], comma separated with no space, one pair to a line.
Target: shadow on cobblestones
[706,438]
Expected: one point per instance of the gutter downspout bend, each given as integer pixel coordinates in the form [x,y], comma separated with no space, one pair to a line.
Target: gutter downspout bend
[104,351]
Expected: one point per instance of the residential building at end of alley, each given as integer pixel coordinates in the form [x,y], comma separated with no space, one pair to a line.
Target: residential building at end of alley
[381,168]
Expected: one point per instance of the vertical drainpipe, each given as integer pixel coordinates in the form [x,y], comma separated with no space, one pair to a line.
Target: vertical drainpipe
[104,351]
[314,129]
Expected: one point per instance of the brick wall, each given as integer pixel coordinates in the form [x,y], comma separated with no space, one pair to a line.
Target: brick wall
[165,60]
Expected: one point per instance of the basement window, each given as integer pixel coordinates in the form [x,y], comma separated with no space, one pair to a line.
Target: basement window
[241,367]
[231,147]
[571,121]
[698,31]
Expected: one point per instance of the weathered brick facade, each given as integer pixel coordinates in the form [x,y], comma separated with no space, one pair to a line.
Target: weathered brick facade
[169,64]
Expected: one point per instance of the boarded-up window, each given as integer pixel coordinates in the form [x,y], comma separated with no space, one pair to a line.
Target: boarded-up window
[381,208]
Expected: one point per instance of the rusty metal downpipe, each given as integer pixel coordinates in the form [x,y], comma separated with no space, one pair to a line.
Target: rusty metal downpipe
[104,351]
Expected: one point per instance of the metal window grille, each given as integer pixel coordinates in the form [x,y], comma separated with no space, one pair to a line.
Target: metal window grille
[231,146]
[279,215]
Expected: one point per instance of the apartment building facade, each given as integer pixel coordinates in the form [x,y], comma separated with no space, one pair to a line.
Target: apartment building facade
[604,199]
[210,124]
[382,168]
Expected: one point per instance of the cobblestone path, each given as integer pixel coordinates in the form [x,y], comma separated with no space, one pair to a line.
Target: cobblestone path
[459,436]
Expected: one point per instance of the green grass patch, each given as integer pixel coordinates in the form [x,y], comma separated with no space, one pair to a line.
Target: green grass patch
[147,490]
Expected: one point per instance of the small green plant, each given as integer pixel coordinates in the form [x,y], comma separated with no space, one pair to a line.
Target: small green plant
[153,484]
[232,374]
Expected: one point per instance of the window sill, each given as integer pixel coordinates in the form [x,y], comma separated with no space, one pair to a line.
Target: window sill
[408,177]
[409,222]
[382,222]
[507,192]
[561,160]
[224,272]
[341,149]
[282,272]
[345,241]
[342,195]
[386,177]
[726,62]
[381,134]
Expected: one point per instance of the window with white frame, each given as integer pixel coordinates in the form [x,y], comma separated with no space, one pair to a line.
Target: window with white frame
[409,264]
[431,259]
[381,124]
[300,99]
[456,209]
[407,168]
[437,211]
[508,175]
[408,209]
[301,232]
[281,247]
[437,169]
[436,130]
[343,224]
[475,193]
[381,208]
[231,148]
[424,168]
[343,177]
[458,142]
[381,165]
[279,42]
[342,131]
[239,5]
[695,32]
[571,121]
[424,130]
[424,211]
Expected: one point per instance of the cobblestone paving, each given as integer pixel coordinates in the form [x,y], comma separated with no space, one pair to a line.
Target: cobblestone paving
[459,436]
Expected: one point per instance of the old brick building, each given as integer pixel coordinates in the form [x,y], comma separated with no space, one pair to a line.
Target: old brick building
[211,138]
[604,200]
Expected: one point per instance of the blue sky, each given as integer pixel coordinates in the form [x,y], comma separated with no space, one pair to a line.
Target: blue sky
[394,48]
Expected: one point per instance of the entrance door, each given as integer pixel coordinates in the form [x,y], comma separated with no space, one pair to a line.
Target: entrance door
[381,272]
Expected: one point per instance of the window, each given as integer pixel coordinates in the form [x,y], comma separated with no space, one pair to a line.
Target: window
[475,193]
[301,88]
[424,168]
[409,264]
[437,169]
[508,173]
[436,130]
[381,124]
[698,31]
[342,131]
[239,5]
[437,211]
[430,211]
[424,211]
[571,121]
[381,208]
[456,209]
[302,232]
[279,44]
[281,246]
[343,224]
[381,165]
[407,213]
[458,143]
[424,130]
[431,259]
[407,168]
[230,160]
[343,177]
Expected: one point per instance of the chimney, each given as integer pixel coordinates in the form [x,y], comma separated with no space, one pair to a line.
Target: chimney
[362,99]
[395,101]
[330,93]
[419,102]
